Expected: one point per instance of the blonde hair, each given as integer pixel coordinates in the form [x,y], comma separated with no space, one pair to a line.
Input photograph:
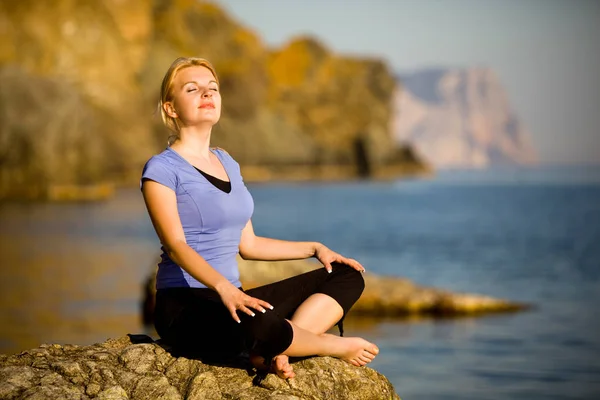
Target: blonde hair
[167,83]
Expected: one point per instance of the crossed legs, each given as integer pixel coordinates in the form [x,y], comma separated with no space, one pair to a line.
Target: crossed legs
[310,323]
[316,314]
[306,306]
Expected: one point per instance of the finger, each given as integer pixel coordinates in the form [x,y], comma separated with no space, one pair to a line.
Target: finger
[256,305]
[234,314]
[355,264]
[246,310]
[328,267]
[265,304]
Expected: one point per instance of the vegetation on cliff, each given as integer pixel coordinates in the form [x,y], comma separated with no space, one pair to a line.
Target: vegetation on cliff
[79,84]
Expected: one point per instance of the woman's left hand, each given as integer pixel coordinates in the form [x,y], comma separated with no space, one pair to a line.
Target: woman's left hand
[326,256]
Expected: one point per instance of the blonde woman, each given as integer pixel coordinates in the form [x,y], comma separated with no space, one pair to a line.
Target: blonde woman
[201,211]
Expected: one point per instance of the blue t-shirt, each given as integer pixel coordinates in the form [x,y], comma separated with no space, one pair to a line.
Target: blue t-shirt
[212,220]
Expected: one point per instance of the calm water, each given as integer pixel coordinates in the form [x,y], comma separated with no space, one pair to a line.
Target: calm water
[71,273]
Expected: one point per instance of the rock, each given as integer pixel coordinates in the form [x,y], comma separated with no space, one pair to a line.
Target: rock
[384,296]
[125,368]
[460,118]
[90,73]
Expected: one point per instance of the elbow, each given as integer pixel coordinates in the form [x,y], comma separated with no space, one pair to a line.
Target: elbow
[244,253]
[173,249]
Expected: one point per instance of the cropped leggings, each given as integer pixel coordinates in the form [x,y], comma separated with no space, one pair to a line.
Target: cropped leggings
[195,322]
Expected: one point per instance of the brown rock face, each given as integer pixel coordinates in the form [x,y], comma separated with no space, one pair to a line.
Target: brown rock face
[336,100]
[140,369]
[300,112]
[69,95]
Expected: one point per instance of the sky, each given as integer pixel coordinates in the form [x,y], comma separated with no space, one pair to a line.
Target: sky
[546,53]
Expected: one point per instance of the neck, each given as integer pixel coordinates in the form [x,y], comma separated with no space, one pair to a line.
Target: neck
[194,140]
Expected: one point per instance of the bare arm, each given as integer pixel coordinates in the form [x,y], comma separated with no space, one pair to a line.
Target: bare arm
[254,247]
[162,207]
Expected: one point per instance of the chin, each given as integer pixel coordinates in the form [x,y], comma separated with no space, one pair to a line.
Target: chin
[207,121]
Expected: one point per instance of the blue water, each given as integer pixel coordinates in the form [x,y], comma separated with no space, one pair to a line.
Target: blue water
[529,235]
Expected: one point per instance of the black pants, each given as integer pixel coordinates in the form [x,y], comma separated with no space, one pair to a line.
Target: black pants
[195,322]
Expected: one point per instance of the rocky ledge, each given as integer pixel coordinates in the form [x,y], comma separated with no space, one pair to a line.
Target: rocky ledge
[385,296]
[135,367]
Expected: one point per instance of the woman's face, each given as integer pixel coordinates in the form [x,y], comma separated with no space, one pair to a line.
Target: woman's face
[195,97]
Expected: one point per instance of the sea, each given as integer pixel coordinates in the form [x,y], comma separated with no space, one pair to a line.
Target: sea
[73,272]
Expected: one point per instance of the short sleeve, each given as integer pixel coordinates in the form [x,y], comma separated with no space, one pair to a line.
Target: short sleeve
[160,171]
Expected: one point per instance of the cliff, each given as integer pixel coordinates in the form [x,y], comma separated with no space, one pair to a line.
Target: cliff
[134,367]
[79,82]
[460,118]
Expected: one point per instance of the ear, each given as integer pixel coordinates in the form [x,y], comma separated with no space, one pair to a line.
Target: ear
[169,109]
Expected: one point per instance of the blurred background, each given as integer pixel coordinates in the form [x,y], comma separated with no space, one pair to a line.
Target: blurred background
[455,143]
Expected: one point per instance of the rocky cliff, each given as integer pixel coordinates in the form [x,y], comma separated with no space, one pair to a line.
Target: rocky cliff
[460,118]
[79,82]
[133,367]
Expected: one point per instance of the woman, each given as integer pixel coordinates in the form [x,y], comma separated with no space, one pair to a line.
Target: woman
[201,210]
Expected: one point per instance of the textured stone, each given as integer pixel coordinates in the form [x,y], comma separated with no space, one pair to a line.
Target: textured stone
[146,371]
[87,71]
[383,295]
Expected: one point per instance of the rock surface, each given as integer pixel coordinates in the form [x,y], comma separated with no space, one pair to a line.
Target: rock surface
[384,296]
[89,73]
[133,367]
[460,118]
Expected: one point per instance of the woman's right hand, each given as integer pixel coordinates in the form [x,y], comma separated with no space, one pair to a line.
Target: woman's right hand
[234,299]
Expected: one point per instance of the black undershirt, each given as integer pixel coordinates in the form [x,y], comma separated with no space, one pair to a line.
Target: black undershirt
[220,184]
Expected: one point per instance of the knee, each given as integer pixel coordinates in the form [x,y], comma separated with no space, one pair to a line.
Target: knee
[268,334]
[265,326]
[353,279]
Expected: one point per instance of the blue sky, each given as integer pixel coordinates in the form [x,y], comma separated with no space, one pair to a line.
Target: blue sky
[545,52]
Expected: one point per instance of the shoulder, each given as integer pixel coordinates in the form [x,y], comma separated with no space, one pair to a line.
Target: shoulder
[220,149]
[161,168]
[164,158]
[224,155]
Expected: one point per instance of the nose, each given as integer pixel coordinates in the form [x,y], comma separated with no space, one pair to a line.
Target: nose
[207,93]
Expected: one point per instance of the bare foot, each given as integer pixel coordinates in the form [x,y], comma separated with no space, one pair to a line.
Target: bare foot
[280,365]
[357,351]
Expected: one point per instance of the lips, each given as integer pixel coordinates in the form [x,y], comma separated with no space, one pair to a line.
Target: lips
[207,105]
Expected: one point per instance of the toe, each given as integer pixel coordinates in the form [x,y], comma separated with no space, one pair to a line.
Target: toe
[368,356]
[364,359]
